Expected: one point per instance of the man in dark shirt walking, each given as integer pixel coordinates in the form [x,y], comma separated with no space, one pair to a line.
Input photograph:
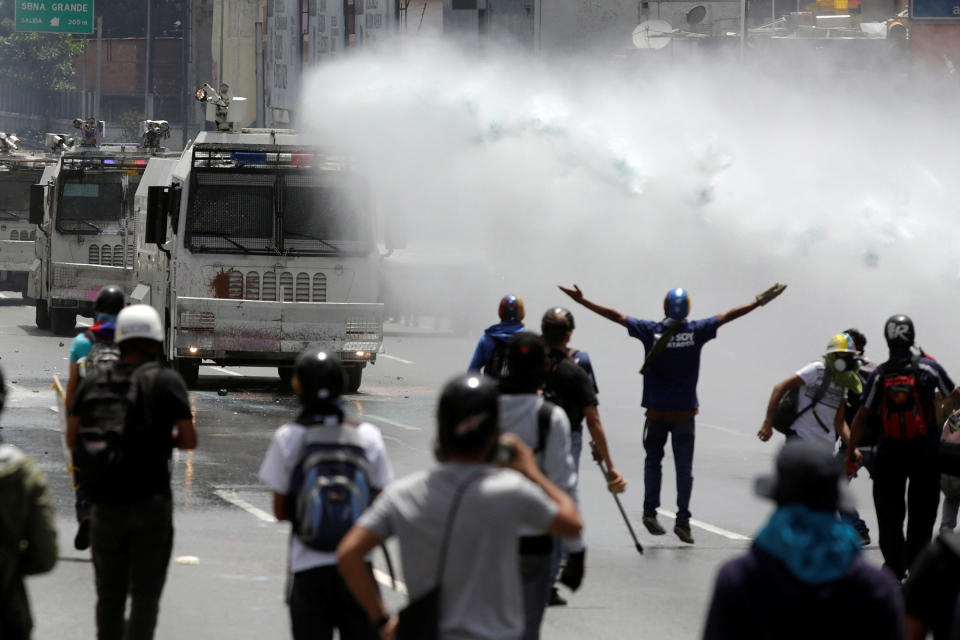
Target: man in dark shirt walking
[901,391]
[131,530]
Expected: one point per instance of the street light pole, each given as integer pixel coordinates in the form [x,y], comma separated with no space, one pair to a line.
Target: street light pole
[96,113]
[147,103]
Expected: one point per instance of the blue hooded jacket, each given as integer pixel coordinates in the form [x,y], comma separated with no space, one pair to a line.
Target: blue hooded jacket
[502,331]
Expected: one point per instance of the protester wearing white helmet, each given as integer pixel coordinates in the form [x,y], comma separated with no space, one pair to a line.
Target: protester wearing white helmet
[132,498]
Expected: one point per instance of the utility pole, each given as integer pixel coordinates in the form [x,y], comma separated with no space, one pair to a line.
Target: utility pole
[97,114]
[184,69]
[147,101]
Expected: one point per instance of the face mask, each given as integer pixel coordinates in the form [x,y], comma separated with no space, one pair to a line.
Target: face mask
[843,369]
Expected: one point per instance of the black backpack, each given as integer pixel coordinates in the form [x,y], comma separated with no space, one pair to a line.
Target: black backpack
[496,367]
[107,424]
[330,486]
[102,354]
[786,413]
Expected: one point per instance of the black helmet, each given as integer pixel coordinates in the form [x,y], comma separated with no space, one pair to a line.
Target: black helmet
[527,357]
[555,324]
[317,377]
[468,415]
[561,311]
[110,300]
[898,330]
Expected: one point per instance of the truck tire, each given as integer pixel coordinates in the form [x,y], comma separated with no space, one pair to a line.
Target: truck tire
[63,321]
[353,378]
[189,370]
[42,316]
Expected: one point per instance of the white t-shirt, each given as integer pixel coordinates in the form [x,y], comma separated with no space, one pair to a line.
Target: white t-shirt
[807,426]
[277,468]
[481,591]
[519,415]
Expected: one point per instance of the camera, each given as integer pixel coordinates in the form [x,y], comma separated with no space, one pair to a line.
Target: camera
[504,452]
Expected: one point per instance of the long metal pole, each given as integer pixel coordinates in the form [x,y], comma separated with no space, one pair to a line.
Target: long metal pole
[261,116]
[147,106]
[184,68]
[223,9]
[96,113]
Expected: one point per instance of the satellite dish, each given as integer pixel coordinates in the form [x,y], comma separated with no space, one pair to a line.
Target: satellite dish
[696,15]
[652,34]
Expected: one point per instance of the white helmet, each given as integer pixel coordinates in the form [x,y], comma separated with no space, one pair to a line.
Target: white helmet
[138,321]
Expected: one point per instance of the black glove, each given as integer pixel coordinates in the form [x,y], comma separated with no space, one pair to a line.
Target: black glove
[572,574]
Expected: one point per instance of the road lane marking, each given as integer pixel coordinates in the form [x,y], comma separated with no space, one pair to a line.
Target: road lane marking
[231,496]
[706,526]
[363,415]
[234,499]
[384,578]
[222,370]
[389,357]
[719,428]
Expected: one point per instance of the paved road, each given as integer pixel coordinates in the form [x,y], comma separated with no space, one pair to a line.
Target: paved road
[234,587]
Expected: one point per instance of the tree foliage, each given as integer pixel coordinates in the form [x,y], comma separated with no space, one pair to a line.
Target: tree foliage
[42,61]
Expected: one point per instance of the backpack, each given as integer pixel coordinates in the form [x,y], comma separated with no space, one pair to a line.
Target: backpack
[107,420]
[901,410]
[330,485]
[101,354]
[786,412]
[496,366]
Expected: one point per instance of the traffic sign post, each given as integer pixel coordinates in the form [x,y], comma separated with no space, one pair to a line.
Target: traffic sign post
[935,9]
[54,17]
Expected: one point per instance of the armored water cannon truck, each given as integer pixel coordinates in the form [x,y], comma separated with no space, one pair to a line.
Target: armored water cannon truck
[18,171]
[84,209]
[257,244]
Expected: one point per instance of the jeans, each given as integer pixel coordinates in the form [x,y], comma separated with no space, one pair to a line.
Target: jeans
[950,485]
[905,467]
[576,446]
[655,435]
[131,546]
[320,601]
[563,550]
[537,577]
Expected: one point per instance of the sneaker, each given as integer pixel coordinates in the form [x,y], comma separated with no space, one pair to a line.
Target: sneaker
[82,540]
[650,522]
[682,529]
[555,600]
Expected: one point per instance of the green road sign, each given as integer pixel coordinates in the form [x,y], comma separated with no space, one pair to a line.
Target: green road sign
[55,17]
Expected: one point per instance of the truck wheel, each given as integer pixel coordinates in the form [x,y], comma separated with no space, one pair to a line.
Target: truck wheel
[189,370]
[63,321]
[353,378]
[42,316]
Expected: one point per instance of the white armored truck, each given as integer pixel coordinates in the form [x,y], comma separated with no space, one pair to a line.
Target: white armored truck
[84,207]
[18,171]
[257,245]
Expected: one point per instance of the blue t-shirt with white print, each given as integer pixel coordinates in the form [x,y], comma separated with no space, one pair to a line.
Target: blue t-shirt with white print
[670,383]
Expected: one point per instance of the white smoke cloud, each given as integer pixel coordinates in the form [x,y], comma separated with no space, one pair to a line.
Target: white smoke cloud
[631,180]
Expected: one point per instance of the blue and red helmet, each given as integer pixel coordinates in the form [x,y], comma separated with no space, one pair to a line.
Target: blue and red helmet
[676,304]
[511,308]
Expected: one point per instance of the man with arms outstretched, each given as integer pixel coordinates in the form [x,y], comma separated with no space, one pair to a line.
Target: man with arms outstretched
[670,372]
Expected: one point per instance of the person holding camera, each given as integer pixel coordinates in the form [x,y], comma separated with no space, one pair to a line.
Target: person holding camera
[458,523]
